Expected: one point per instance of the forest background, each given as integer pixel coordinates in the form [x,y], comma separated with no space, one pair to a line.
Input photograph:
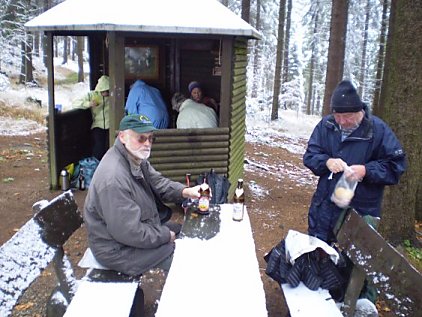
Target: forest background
[307,47]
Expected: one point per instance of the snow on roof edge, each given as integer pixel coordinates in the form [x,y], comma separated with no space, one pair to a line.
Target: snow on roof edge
[251,34]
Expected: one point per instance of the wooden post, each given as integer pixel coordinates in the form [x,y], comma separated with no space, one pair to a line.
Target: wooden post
[51,120]
[117,81]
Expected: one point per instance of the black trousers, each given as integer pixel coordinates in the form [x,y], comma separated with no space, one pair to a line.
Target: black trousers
[101,142]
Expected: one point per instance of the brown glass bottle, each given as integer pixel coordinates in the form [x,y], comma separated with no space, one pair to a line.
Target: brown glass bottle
[238,201]
[204,196]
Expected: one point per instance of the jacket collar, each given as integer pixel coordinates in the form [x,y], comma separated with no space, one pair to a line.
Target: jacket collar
[135,168]
[365,131]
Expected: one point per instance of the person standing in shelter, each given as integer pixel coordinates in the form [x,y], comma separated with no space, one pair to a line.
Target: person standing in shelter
[196,94]
[125,231]
[99,103]
[350,136]
[146,100]
[193,115]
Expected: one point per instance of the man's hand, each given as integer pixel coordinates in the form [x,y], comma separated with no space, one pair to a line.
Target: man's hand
[336,165]
[93,103]
[191,192]
[172,236]
[358,172]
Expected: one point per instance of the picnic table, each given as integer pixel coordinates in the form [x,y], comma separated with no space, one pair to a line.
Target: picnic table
[215,271]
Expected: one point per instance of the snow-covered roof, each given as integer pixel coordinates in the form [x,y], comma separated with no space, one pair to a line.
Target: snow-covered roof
[149,16]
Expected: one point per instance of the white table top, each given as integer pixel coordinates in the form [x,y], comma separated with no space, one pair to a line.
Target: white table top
[215,277]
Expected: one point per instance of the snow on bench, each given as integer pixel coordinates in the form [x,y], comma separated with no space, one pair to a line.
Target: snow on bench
[380,263]
[39,242]
[22,259]
[304,302]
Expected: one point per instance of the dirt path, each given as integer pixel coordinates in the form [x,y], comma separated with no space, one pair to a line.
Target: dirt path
[278,193]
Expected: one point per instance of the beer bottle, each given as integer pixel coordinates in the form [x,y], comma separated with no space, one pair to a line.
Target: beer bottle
[204,196]
[81,179]
[238,201]
[188,179]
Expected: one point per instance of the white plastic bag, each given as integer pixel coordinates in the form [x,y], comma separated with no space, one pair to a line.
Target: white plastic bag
[345,188]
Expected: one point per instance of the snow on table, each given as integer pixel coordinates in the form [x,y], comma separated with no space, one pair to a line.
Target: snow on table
[215,277]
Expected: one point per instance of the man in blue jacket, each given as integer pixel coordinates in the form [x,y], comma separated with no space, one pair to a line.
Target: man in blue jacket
[146,100]
[350,136]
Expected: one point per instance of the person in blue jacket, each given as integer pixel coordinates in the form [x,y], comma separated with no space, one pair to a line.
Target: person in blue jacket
[146,100]
[350,135]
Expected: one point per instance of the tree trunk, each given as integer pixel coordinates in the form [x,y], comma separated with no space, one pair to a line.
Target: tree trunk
[364,46]
[257,53]
[37,44]
[246,9]
[29,75]
[22,73]
[279,60]
[401,97]
[80,50]
[46,6]
[309,109]
[65,49]
[336,50]
[287,42]
[381,55]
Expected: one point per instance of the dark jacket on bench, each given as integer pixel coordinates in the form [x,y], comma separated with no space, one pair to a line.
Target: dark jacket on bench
[372,144]
[121,217]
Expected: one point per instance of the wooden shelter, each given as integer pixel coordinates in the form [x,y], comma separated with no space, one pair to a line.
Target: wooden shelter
[185,40]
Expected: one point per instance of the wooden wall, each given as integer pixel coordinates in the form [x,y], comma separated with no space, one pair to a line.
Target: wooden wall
[176,152]
[238,113]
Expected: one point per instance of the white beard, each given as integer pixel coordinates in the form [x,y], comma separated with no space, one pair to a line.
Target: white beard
[141,154]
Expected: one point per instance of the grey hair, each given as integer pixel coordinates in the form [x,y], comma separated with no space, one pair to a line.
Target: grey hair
[177,100]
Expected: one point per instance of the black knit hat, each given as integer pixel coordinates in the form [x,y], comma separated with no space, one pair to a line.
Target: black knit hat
[345,98]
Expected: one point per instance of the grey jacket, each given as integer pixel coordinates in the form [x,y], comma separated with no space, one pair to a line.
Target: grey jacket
[121,217]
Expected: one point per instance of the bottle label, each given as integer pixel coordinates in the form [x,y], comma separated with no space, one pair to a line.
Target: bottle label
[238,192]
[237,211]
[204,203]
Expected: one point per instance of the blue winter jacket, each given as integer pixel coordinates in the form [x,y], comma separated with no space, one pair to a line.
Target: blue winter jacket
[147,100]
[372,144]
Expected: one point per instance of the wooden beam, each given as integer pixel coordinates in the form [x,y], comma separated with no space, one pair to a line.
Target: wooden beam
[51,120]
[226,81]
[117,81]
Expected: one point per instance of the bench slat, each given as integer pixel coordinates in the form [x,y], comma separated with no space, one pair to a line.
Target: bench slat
[390,272]
[304,302]
[102,299]
[22,260]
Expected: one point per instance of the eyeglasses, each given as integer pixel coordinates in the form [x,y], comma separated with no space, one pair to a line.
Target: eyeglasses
[143,138]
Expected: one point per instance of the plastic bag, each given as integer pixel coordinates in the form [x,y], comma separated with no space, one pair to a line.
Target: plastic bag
[345,189]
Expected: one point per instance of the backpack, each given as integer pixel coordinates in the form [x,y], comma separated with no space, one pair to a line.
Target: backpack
[89,165]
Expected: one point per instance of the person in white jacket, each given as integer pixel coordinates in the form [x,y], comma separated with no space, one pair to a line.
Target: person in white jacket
[193,115]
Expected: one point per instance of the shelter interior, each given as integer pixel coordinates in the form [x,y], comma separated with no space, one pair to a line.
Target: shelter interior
[168,62]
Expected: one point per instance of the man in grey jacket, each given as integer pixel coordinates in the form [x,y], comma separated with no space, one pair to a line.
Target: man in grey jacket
[124,228]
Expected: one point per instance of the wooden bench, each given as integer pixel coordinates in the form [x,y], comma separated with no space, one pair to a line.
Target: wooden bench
[382,265]
[39,242]
[374,260]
